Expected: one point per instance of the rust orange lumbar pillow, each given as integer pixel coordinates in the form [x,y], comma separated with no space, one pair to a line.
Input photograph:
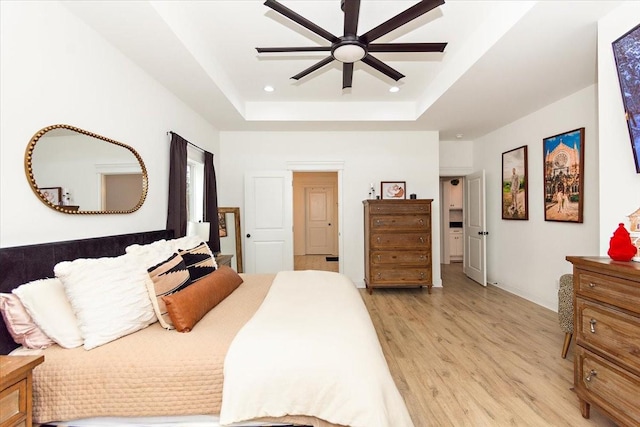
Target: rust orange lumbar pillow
[188,306]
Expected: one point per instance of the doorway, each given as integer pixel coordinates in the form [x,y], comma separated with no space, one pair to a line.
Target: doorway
[452,219]
[315,221]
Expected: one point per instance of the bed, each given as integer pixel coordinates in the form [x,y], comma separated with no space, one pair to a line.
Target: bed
[277,348]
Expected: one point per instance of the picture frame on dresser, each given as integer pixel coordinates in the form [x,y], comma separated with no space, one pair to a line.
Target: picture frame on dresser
[563,168]
[52,194]
[515,197]
[393,190]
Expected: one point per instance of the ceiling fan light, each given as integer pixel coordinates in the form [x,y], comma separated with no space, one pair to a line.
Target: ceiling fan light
[349,53]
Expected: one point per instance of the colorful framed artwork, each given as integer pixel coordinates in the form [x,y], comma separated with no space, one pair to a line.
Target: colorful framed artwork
[52,195]
[515,192]
[626,51]
[563,157]
[393,190]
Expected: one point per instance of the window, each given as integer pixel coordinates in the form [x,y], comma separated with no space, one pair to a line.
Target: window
[195,184]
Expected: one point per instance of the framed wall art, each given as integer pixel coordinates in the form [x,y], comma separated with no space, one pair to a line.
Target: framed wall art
[393,190]
[52,194]
[563,157]
[515,197]
[626,51]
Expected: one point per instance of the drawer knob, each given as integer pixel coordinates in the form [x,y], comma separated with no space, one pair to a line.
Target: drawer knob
[421,239]
[379,241]
[421,221]
[592,285]
[379,258]
[379,276]
[592,374]
[421,276]
[592,326]
[378,222]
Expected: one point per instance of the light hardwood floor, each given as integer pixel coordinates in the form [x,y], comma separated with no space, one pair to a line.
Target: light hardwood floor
[314,262]
[472,356]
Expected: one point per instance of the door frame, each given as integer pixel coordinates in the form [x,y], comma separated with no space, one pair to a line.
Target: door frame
[326,166]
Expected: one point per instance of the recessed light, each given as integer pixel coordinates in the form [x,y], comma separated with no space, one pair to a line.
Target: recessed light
[269,88]
[394,89]
[459,135]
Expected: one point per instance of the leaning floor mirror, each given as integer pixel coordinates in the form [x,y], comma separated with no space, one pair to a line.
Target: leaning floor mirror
[231,235]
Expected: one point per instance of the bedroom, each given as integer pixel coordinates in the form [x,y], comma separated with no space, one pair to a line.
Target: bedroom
[74,76]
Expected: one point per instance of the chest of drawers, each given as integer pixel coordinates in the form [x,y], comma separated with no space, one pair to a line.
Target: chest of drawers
[607,329]
[15,389]
[397,243]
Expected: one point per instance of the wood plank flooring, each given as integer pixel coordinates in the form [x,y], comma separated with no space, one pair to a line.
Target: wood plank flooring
[314,262]
[472,356]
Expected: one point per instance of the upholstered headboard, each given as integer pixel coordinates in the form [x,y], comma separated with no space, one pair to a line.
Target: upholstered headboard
[22,264]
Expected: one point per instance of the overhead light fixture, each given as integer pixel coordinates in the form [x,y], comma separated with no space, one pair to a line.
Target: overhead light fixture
[394,89]
[459,135]
[349,51]
[269,88]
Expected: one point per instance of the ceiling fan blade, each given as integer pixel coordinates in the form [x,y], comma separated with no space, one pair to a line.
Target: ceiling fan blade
[351,15]
[347,74]
[285,11]
[400,19]
[382,67]
[293,49]
[406,47]
[313,68]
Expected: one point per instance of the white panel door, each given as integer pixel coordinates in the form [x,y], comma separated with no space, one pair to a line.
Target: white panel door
[268,204]
[475,234]
[319,221]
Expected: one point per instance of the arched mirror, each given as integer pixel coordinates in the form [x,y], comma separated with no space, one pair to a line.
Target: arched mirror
[76,171]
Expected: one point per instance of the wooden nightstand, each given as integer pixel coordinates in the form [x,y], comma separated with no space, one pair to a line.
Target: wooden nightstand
[224,260]
[15,386]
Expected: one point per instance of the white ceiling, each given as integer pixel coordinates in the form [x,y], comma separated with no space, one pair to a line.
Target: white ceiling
[504,59]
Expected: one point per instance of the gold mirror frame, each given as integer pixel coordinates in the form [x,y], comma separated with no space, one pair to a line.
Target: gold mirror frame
[236,217]
[28,167]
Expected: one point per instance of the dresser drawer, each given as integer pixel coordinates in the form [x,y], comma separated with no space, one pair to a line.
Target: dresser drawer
[394,276]
[609,331]
[400,208]
[613,290]
[401,257]
[400,240]
[604,384]
[400,222]
[13,403]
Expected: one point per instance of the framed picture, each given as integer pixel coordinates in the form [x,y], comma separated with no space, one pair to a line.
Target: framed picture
[52,194]
[626,51]
[515,192]
[563,157]
[393,190]
[222,224]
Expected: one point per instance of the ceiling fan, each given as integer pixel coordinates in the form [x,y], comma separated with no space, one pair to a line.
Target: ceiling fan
[350,47]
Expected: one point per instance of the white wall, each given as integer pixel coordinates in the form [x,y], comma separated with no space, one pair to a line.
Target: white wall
[528,257]
[619,182]
[368,157]
[55,69]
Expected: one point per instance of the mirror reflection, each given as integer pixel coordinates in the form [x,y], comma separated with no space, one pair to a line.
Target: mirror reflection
[75,171]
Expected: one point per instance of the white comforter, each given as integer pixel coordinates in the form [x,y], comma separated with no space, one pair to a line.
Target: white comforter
[311,349]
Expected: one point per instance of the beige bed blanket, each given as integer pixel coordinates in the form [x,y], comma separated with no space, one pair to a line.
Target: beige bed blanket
[153,372]
[320,357]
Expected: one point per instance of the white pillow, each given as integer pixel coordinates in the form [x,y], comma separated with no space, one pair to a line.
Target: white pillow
[159,251]
[108,295]
[48,306]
